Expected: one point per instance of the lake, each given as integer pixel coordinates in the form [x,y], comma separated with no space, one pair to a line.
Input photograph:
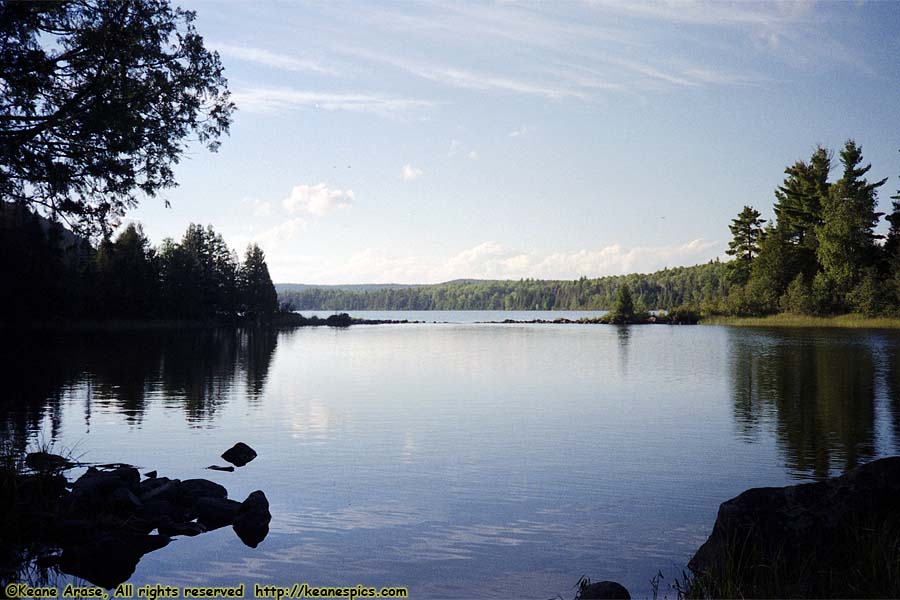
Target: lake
[462,460]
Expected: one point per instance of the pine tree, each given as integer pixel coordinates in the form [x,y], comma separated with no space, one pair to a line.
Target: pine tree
[747,232]
[799,203]
[623,309]
[846,237]
[258,297]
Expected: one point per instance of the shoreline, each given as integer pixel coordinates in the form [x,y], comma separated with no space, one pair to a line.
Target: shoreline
[848,321]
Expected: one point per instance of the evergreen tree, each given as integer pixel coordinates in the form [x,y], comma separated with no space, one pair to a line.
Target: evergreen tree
[258,297]
[623,309]
[772,270]
[747,232]
[846,237]
[799,203]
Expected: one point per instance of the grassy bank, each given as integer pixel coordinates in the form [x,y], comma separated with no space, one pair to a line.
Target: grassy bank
[851,321]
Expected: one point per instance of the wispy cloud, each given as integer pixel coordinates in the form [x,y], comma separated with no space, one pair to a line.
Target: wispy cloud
[712,12]
[518,132]
[317,199]
[410,173]
[276,237]
[267,58]
[261,208]
[263,99]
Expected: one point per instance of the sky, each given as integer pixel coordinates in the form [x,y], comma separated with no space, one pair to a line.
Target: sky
[419,142]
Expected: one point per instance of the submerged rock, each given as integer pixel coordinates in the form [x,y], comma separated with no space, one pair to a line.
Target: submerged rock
[604,590]
[252,521]
[239,454]
[229,468]
[819,538]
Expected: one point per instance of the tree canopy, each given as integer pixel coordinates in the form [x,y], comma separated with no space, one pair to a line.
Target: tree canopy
[98,100]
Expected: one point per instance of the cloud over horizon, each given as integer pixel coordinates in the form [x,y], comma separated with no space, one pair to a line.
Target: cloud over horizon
[317,200]
[490,260]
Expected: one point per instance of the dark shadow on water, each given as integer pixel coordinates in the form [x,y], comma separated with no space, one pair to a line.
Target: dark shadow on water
[196,370]
[816,390]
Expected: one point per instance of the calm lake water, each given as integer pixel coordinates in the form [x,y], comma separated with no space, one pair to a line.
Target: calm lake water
[462,460]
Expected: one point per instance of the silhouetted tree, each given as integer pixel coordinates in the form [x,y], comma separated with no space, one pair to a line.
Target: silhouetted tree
[97,102]
[258,297]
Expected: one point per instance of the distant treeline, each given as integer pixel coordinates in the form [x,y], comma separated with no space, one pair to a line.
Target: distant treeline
[666,289]
[820,256]
[51,274]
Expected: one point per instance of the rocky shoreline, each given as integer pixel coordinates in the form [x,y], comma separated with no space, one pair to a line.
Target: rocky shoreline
[99,526]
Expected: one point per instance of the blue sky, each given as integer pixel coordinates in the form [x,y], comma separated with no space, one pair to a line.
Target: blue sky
[426,141]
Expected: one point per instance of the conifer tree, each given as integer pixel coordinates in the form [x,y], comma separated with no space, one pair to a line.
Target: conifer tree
[747,232]
[846,237]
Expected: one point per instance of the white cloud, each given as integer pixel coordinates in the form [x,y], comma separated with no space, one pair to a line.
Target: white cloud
[492,260]
[518,132]
[262,100]
[454,148]
[270,59]
[273,240]
[317,199]
[473,155]
[410,173]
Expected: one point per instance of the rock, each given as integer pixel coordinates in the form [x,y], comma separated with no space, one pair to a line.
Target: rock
[239,454]
[91,491]
[161,488]
[229,469]
[45,461]
[215,512]
[818,537]
[123,502]
[604,590]
[157,510]
[150,474]
[193,489]
[252,521]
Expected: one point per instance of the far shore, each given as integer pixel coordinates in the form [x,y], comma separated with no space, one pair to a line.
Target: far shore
[849,321]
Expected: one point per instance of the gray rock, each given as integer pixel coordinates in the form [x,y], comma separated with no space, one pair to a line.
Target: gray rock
[815,535]
[239,454]
[604,590]
[252,521]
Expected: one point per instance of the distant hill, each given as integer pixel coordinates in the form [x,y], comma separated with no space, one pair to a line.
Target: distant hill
[367,287]
[664,289]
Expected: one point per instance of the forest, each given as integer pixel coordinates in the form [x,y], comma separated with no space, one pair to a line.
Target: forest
[52,274]
[820,256]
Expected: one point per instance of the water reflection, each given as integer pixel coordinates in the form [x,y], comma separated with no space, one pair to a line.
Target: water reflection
[817,390]
[195,370]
